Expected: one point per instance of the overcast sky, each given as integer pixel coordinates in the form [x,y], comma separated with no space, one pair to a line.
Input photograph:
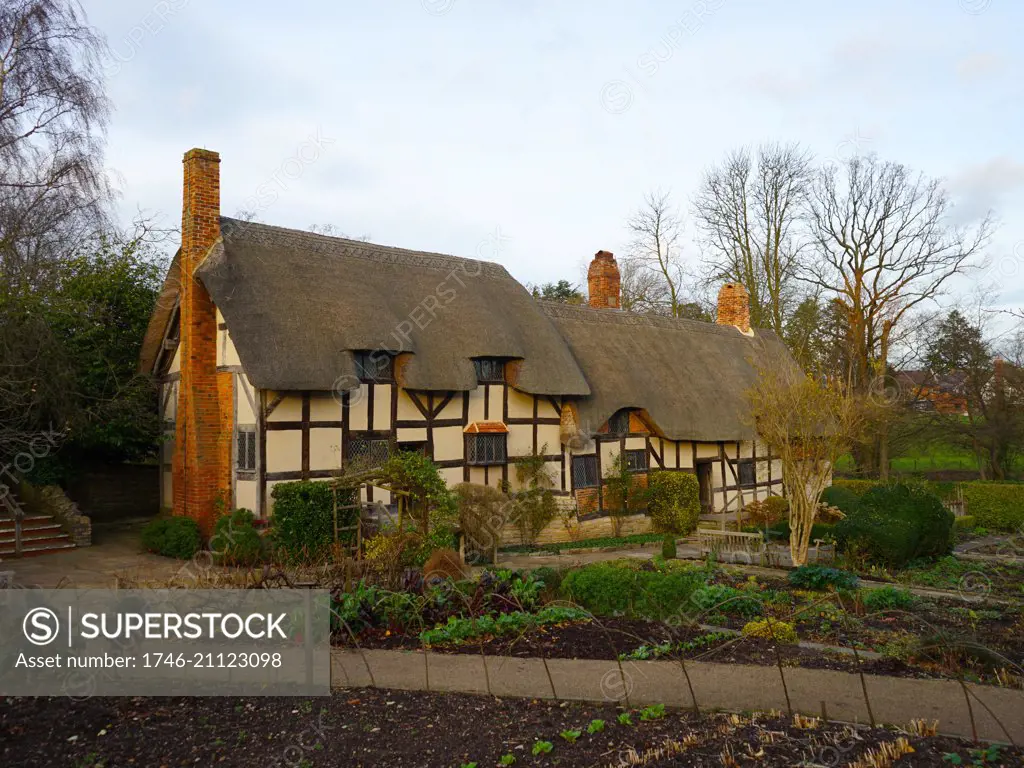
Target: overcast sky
[526,132]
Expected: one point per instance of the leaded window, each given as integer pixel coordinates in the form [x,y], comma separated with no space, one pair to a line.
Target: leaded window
[486,449]
[489,370]
[368,450]
[375,366]
[584,472]
[636,461]
[618,424]
[245,450]
[747,473]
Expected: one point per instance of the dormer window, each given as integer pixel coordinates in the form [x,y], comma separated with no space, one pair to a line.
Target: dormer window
[376,366]
[489,370]
[618,424]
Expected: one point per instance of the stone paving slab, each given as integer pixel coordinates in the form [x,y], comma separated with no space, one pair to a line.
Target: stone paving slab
[733,687]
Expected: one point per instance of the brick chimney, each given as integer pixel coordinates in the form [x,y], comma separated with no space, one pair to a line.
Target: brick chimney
[734,306]
[202,456]
[603,281]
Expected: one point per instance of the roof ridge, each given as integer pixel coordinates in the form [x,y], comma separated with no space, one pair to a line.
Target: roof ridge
[270,234]
[598,316]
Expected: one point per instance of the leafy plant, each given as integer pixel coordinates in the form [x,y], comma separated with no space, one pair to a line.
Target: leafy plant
[173,537]
[625,719]
[722,598]
[467,765]
[534,505]
[507,759]
[236,541]
[571,735]
[652,712]
[673,501]
[542,748]
[821,578]
[887,599]
[770,629]
[596,726]
[989,755]
[625,494]
[611,589]
[668,547]
[302,526]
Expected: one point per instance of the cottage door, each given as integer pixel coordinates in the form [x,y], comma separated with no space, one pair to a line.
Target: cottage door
[704,482]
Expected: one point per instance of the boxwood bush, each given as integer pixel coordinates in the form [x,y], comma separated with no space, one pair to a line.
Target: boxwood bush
[173,537]
[673,501]
[302,525]
[896,524]
[842,497]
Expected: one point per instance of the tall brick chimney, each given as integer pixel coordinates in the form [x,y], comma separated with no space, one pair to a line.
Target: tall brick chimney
[603,281]
[734,306]
[202,456]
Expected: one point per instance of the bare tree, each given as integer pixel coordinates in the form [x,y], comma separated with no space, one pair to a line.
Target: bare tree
[654,257]
[749,211]
[53,112]
[885,246]
[808,425]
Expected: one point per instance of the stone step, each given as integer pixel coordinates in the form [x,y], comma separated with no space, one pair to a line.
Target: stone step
[34,538]
[32,551]
[28,522]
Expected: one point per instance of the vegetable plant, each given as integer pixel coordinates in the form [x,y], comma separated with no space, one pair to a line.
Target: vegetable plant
[596,726]
[542,748]
[571,735]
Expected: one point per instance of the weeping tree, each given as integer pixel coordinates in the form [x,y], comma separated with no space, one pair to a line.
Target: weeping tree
[808,424]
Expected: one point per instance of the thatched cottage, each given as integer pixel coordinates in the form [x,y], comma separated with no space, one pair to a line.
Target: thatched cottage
[285,355]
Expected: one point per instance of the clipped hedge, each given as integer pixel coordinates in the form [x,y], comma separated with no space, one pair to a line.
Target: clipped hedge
[673,501]
[302,526]
[173,537]
[614,589]
[999,506]
[845,499]
[896,524]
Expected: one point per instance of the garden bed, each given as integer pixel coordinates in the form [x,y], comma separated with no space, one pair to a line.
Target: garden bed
[645,610]
[379,727]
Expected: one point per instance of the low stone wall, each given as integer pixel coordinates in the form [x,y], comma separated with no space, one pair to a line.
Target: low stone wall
[51,500]
[985,712]
[598,527]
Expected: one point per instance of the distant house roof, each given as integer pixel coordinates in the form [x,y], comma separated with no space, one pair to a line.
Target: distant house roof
[948,382]
[690,377]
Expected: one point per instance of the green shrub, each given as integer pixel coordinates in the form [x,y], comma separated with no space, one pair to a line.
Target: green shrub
[965,523]
[772,629]
[673,501]
[719,598]
[236,541]
[610,589]
[820,578]
[999,506]
[842,497]
[668,547]
[855,486]
[823,531]
[302,526]
[888,599]
[896,524]
[173,537]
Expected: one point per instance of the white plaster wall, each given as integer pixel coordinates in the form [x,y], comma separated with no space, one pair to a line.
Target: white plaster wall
[448,443]
[284,450]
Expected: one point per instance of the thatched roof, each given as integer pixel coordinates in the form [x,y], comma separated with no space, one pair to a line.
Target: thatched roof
[298,304]
[690,377]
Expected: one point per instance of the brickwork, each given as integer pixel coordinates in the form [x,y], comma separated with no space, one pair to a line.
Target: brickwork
[603,281]
[202,457]
[734,306]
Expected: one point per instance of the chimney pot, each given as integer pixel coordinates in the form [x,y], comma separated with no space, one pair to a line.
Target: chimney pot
[603,281]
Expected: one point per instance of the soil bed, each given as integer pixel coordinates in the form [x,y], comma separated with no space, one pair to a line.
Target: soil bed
[375,727]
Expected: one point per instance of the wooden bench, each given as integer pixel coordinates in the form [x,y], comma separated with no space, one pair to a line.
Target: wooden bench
[751,544]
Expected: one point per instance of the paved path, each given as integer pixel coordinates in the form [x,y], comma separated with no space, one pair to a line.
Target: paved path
[116,551]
